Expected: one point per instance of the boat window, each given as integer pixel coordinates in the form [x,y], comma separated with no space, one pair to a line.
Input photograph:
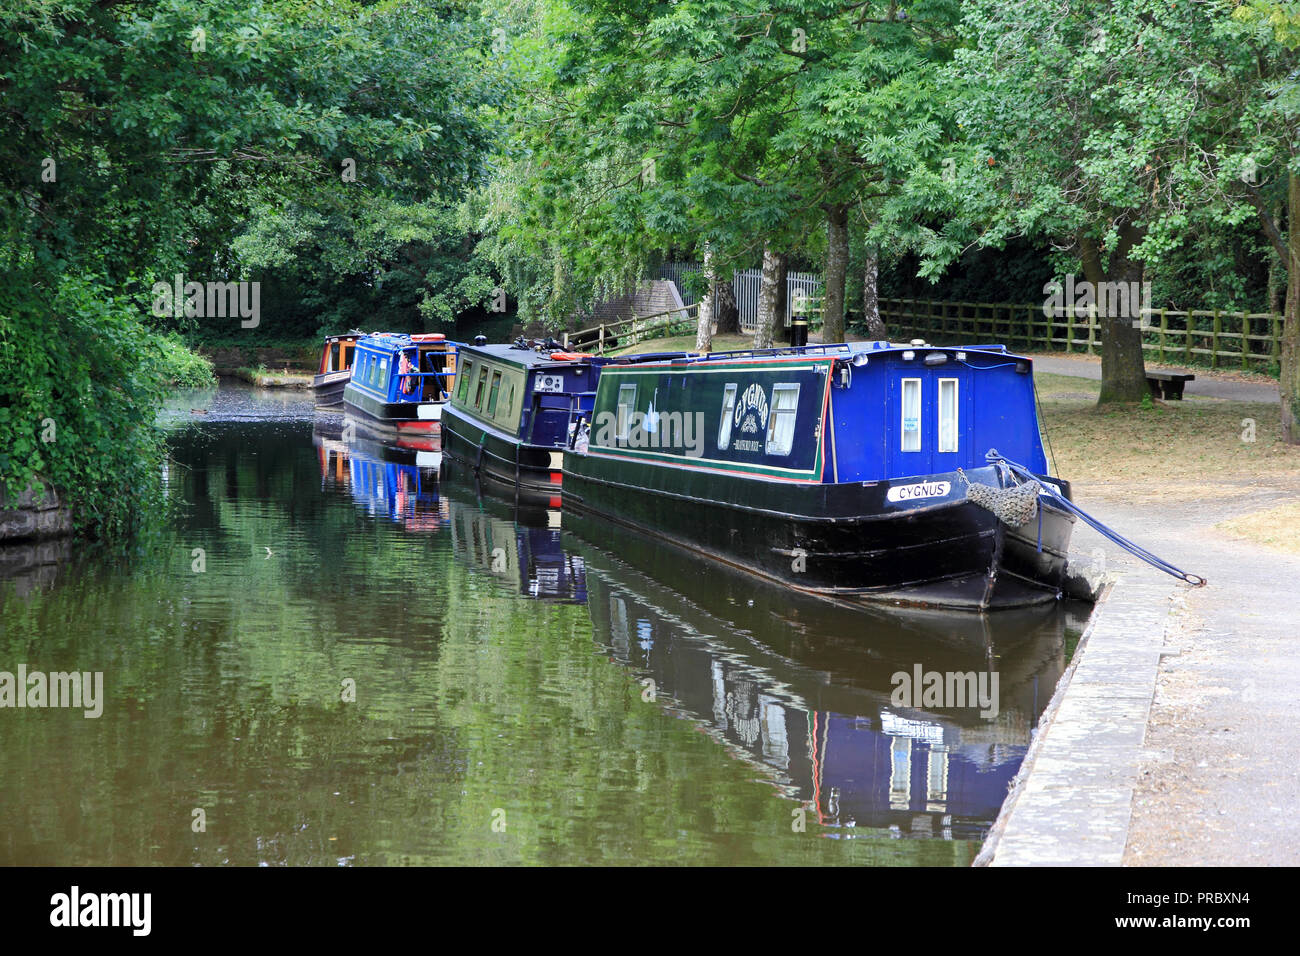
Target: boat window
[947,414]
[480,387]
[495,392]
[507,411]
[780,427]
[626,406]
[728,409]
[911,414]
[462,383]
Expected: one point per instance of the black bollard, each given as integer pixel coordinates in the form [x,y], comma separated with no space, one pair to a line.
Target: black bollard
[798,331]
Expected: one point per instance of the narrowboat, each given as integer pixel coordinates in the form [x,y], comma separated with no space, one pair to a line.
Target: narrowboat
[399,386]
[857,472]
[335,369]
[514,411]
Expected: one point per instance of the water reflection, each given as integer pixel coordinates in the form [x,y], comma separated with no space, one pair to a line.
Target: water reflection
[500,661]
[805,687]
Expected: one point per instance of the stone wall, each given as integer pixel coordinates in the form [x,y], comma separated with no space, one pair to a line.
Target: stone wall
[29,516]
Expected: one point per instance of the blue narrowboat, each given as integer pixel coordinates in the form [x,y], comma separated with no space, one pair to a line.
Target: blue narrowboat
[514,411]
[859,472]
[399,385]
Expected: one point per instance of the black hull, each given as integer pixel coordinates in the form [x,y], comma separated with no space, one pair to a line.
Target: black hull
[328,389]
[501,462]
[845,542]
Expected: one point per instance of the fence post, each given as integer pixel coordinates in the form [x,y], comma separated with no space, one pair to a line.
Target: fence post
[1092,326]
[1069,327]
[1275,331]
[1164,331]
[1214,340]
[1245,342]
[601,348]
[565,340]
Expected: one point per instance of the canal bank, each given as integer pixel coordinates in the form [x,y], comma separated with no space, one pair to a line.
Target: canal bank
[1170,740]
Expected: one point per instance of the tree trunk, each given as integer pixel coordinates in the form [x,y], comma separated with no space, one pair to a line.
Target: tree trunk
[1289,378]
[704,332]
[870,294]
[728,310]
[767,296]
[782,307]
[1123,370]
[837,263]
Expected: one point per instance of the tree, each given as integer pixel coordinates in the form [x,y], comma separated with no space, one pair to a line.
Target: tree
[1119,99]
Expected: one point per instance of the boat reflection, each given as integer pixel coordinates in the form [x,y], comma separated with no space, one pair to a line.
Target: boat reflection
[808,689]
[795,685]
[522,546]
[399,483]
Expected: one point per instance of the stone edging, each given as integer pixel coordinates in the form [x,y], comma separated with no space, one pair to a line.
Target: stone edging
[1071,801]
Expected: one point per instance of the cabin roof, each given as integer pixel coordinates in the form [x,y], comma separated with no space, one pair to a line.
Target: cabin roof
[835,350]
[388,341]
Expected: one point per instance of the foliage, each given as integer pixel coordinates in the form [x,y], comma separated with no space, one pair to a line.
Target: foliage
[182,367]
[81,380]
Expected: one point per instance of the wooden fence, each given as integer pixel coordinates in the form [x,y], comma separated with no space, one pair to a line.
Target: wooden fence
[1219,339]
[603,338]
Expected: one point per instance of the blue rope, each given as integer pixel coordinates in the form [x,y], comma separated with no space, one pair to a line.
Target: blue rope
[1024,474]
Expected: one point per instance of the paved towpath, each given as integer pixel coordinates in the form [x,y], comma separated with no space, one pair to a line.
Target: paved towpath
[1175,740]
[1208,382]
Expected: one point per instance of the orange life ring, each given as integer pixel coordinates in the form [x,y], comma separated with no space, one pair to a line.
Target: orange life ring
[567,356]
[429,337]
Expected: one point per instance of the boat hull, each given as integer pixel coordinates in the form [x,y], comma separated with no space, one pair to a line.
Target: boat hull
[499,460]
[847,542]
[327,389]
[410,424]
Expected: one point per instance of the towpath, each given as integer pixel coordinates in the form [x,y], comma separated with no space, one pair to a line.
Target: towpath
[1174,741]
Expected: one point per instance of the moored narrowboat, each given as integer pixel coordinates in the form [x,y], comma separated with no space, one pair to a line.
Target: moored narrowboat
[514,411]
[335,369]
[399,386]
[840,470]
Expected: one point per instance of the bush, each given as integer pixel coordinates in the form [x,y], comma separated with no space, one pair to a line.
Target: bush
[181,366]
[81,380]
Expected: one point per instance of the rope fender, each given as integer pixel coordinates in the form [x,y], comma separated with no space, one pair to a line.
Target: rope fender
[1010,505]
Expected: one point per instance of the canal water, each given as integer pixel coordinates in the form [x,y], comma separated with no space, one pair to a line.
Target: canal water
[328,656]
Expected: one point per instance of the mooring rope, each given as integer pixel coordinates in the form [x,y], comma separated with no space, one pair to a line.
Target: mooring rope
[1027,478]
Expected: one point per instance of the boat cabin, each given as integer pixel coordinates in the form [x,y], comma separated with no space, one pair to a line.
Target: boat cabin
[338,353]
[858,412]
[532,396]
[398,369]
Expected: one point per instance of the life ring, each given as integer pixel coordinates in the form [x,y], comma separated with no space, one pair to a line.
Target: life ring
[567,356]
[429,337]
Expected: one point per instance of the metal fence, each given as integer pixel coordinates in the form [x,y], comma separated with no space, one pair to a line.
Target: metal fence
[746,284]
[1213,337]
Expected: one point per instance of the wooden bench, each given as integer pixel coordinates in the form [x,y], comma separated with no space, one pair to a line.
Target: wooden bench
[1168,385]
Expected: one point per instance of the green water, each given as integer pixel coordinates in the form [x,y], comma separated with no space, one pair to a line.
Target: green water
[526,690]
